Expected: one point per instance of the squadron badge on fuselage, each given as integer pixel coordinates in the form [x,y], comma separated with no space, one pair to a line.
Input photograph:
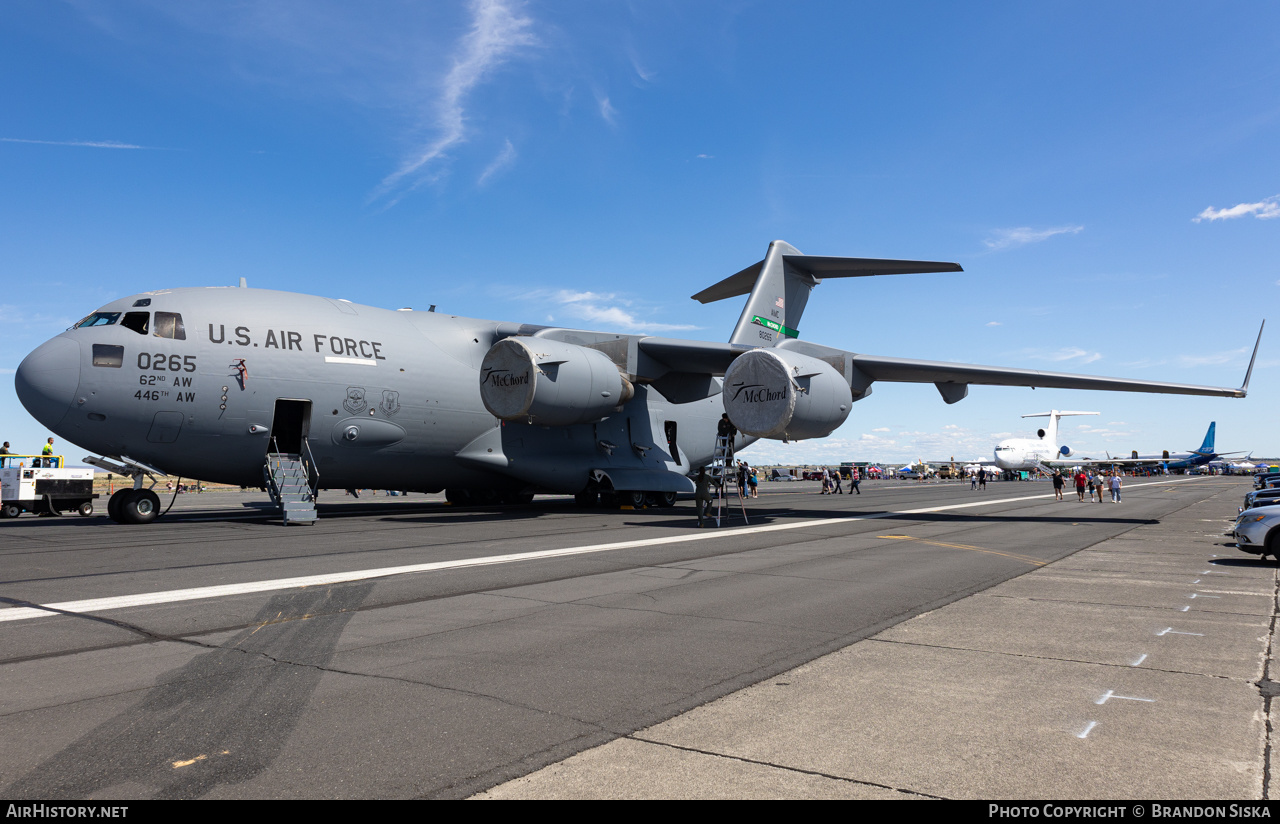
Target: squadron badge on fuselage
[355,402]
[390,403]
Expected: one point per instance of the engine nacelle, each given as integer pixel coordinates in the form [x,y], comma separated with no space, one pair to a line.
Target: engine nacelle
[1065,451]
[550,383]
[780,394]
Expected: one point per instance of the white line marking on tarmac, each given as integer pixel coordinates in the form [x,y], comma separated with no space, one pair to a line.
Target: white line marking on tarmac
[1170,631]
[1087,730]
[1183,609]
[1109,694]
[1141,658]
[225,590]
[1198,595]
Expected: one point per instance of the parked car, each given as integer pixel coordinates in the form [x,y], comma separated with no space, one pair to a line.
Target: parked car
[1257,531]
[1261,497]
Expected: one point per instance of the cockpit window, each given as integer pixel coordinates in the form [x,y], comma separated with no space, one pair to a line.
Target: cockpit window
[169,325]
[99,319]
[137,321]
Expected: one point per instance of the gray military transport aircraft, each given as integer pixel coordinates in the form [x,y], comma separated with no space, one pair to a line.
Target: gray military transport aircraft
[299,393]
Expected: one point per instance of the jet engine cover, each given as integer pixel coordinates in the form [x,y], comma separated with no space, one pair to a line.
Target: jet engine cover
[780,394]
[550,383]
[1065,451]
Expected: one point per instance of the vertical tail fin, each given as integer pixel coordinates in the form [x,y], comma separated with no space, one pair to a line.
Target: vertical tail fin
[1207,447]
[779,288]
[1051,432]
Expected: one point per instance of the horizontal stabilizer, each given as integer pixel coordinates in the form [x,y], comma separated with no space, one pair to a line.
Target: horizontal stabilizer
[778,288]
[823,267]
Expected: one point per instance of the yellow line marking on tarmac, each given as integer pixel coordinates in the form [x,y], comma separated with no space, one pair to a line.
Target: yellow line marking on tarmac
[1024,558]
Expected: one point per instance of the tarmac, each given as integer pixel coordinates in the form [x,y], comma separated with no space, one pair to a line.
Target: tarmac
[1136,668]
[917,641]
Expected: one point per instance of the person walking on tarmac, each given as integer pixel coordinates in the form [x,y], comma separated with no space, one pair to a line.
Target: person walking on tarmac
[47,452]
[837,488]
[854,479]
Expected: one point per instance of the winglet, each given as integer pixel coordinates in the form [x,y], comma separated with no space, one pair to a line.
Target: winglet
[1244,388]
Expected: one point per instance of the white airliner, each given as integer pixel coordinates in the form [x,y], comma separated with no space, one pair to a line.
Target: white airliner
[1032,453]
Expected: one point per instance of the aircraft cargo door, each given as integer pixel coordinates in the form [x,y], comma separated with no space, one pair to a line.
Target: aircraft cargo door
[290,426]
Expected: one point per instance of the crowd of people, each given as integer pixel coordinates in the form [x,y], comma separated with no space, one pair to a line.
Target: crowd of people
[1095,484]
[831,481]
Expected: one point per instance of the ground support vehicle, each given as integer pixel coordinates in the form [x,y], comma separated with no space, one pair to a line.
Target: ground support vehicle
[43,485]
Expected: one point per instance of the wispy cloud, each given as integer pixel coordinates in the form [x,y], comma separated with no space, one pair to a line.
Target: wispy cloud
[1268,207]
[505,158]
[498,30]
[90,144]
[1213,358]
[607,111]
[1009,238]
[609,309]
[644,74]
[1066,353]
[994,323]
[602,310]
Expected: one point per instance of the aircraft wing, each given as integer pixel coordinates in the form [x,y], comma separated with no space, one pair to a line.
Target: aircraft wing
[919,371]
[952,379]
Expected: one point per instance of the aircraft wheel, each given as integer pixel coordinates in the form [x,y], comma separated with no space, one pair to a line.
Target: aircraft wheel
[86,508]
[633,498]
[115,504]
[609,500]
[457,497]
[664,499]
[517,498]
[11,510]
[586,499]
[142,507]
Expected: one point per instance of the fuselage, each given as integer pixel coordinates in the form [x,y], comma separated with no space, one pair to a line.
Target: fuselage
[1177,460]
[204,382]
[1022,454]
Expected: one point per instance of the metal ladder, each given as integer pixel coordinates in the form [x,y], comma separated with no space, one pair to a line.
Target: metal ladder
[725,472]
[290,487]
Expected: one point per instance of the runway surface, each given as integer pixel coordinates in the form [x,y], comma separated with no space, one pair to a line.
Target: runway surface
[404,648]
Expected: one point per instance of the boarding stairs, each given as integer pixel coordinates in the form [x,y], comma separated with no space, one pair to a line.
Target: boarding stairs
[291,486]
[724,472]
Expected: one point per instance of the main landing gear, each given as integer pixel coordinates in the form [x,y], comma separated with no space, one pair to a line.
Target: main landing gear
[636,499]
[133,506]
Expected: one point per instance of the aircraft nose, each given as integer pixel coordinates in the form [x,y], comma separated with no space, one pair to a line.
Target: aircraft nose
[47,379]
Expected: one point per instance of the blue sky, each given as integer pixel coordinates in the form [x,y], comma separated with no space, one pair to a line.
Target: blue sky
[1106,174]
